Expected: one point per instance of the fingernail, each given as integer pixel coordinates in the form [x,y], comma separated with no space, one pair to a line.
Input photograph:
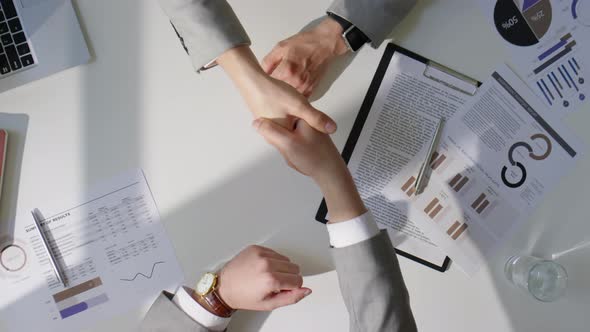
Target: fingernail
[256,123]
[330,127]
[307,292]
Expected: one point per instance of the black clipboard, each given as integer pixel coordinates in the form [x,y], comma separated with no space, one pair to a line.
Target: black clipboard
[363,114]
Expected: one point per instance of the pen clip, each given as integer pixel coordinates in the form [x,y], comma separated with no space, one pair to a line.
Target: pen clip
[55,264]
[451,78]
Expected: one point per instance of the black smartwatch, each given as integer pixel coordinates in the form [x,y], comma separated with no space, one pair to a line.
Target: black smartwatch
[354,38]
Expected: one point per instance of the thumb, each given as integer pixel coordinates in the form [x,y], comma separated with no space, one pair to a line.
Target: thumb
[287,297]
[315,118]
[275,134]
[271,61]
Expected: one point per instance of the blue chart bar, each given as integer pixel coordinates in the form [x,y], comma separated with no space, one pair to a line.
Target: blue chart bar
[564,78]
[75,309]
[83,306]
[556,80]
[552,49]
[576,63]
[560,44]
[546,88]
[573,68]
[544,94]
[555,86]
[568,49]
[570,78]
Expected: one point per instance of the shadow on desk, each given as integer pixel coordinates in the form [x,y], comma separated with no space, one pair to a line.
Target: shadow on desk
[238,204]
[239,207]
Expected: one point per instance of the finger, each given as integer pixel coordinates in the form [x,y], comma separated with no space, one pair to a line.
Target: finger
[274,134]
[269,253]
[287,281]
[284,267]
[290,73]
[285,298]
[315,118]
[309,89]
[271,61]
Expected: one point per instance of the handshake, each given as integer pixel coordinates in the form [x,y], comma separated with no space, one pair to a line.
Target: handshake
[276,93]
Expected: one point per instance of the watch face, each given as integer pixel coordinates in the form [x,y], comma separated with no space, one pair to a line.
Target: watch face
[206,283]
[354,41]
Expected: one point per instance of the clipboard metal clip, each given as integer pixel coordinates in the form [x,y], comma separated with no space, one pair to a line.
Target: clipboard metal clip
[451,78]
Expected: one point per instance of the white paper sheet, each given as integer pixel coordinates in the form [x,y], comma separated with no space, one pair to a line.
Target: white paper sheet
[402,118]
[114,249]
[497,159]
[550,45]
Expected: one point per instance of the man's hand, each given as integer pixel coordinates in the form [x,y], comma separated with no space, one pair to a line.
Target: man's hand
[304,148]
[267,97]
[314,154]
[302,59]
[261,279]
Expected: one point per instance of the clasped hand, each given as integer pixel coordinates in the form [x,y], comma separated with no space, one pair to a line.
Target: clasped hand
[259,278]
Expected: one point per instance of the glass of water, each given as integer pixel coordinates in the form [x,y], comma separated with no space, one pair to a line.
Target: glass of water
[543,279]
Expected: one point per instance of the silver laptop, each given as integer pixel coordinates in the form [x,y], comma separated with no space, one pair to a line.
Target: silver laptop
[38,38]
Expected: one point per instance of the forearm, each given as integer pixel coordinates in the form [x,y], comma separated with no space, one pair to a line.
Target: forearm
[242,67]
[373,287]
[342,197]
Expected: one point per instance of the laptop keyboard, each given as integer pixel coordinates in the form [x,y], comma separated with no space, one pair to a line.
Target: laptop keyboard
[15,51]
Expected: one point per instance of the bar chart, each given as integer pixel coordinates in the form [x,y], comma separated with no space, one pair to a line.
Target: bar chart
[433,208]
[409,188]
[559,76]
[480,204]
[456,229]
[80,298]
[458,182]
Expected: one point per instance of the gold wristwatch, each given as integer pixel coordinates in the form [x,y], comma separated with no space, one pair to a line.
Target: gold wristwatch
[207,295]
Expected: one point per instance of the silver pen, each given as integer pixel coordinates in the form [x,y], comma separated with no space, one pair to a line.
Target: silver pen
[422,175]
[54,264]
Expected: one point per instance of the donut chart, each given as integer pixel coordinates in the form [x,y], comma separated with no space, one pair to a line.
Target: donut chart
[522,23]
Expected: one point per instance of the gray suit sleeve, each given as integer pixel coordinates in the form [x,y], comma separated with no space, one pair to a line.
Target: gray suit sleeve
[165,316]
[373,287]
[375,18]
[207,28]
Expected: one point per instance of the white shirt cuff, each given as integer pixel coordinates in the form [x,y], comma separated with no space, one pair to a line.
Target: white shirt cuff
[184,301]
[210,64]
[347,233]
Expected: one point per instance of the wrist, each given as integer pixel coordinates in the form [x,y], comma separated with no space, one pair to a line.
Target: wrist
[341,195]
[208,296]
[224,289]
[332,30]
[243,68]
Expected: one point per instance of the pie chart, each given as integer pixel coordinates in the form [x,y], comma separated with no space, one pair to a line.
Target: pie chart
[522,22]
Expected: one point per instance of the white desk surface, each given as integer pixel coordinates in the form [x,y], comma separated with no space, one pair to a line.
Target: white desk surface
[218,185]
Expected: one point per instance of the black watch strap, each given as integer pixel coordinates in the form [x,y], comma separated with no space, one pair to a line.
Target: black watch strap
[354,37]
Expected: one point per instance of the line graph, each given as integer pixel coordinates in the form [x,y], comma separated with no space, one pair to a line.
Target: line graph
[143,275]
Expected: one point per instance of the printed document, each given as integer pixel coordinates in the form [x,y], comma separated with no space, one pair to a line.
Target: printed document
[497,159]
[112,246]
[401,121]
[550,45]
